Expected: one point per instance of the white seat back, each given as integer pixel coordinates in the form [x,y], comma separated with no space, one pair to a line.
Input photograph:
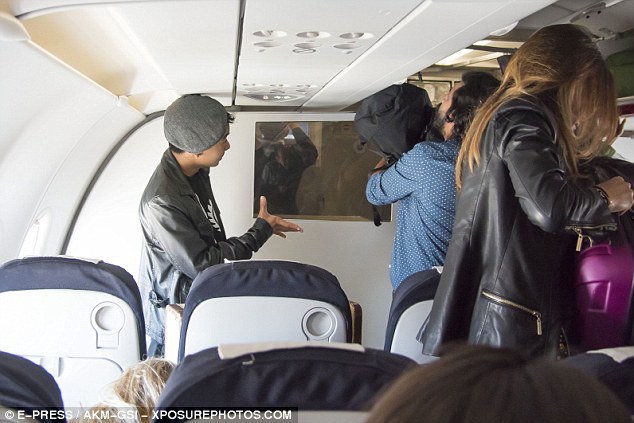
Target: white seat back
[263,319]
[84,338]
[264,301]
[404,341]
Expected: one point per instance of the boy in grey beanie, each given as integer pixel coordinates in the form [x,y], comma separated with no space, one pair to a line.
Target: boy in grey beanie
[182,229]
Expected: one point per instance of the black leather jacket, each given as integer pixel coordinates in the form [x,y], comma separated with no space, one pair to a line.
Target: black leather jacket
[180,241]
[507,279]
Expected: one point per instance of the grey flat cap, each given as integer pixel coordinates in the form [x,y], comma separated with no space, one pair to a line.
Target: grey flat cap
[194,123]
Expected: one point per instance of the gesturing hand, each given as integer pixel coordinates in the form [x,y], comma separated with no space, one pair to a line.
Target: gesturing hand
[278,224]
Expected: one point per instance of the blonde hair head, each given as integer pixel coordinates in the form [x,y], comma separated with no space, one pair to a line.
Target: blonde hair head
[141,385]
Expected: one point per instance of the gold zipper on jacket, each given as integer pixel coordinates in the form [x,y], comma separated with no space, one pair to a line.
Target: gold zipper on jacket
[580,236]
[504,301]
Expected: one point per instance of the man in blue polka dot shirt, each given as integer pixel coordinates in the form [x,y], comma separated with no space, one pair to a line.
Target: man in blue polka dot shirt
[423,182]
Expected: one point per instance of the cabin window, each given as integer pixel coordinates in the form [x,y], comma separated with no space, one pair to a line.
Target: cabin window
[313,170]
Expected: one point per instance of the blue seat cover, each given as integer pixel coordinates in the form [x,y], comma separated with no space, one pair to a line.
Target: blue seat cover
[60,272]
[26,386]
[418,287]
[309,378]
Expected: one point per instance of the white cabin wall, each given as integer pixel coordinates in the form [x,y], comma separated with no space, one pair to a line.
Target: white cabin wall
[56,126]
[108,227]
[358,253]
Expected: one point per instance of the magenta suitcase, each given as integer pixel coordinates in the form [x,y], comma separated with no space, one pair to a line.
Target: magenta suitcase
[604,275]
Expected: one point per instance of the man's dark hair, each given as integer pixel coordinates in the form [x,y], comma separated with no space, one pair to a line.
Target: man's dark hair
[478,86]
[176,150]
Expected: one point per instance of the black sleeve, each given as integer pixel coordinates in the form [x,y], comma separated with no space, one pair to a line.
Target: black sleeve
[243,247]
[551,201]
[174,232]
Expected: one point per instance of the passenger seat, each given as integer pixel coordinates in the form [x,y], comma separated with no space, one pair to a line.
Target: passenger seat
[411,305]
[79,319]
[264,301]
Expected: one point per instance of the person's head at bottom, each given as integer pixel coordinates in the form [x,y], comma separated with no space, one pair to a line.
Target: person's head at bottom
[486,384]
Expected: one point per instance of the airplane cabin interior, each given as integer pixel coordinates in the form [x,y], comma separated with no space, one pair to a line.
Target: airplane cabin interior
[83,88]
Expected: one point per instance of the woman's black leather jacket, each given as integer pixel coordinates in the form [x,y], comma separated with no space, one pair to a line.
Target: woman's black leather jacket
[507,279]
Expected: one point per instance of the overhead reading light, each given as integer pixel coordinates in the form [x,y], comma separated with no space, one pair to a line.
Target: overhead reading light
[278,93]
[356,35]
[347,46]
[267,44]
[270,33]
[313,34]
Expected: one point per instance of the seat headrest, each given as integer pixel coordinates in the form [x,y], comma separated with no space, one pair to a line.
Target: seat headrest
[229,351]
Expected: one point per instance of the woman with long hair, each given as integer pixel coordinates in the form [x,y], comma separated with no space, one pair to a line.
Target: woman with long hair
[507,279]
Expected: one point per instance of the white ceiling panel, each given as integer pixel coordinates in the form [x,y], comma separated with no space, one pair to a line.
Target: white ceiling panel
[191,43]
[307,55]
[294,48]
[144,49]
[429,34]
